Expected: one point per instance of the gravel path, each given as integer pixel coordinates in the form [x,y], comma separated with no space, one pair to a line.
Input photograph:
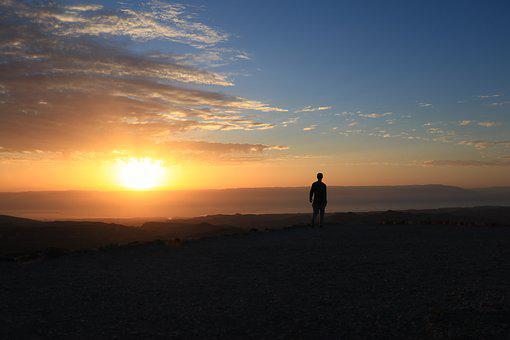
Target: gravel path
[336,282]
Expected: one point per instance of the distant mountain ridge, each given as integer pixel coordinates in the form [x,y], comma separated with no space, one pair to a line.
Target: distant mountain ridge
[187,203]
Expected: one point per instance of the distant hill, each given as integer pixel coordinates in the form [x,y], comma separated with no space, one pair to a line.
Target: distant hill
[187,203]
[20,236]
[17,221]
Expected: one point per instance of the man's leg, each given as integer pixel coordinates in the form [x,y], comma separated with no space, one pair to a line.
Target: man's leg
[323,209]
[314,215]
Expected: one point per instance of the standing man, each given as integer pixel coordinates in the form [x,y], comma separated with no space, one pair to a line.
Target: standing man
[318,195]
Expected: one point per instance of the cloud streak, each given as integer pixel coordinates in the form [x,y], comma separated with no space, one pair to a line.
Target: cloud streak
[310,127]
[488,124]
[313,109]
[465,122]
[466,163]
[375,115]
[488,96]
[484,144]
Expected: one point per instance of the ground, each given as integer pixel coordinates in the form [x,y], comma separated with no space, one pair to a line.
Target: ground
[341,281]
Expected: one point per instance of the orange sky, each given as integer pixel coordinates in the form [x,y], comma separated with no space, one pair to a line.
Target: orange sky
[65,175]
[86,88]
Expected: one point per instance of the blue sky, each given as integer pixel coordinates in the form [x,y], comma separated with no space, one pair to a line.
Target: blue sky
[351,51]
[428,60]
[416,91]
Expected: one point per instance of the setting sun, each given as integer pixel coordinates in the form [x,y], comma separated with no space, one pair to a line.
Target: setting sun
[140,173]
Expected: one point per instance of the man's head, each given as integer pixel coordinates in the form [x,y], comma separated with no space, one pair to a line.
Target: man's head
[319,176]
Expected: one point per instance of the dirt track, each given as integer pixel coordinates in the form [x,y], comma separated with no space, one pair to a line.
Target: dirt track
[336,282]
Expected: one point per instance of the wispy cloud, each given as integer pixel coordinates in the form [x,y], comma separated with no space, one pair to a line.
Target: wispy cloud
[375,115]
[153,20]
[497,104]
[175,150]
[310,128]
[484,144]
[84,8]
[313,109]
[220,148]
[465,122]
[489,124]
[466,163]
[290,121]
[487,96]
[348,113]
[434,124]
[423,104]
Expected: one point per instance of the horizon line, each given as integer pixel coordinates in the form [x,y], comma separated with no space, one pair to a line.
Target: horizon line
[253,188]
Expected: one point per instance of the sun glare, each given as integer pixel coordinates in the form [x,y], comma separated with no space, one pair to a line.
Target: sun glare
[140,173]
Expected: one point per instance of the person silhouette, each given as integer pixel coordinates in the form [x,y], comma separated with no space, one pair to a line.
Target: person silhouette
[319,199]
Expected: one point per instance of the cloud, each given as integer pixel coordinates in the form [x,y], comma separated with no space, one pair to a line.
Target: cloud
[175,150]
[487,96]
[348,113]
[375,115]
[466,163]
[29,44]
[433,123]
[221,148]
[82,109]
[310,128]
[465,122]
[278,147]
[484,144]
[152,20]
[313,109]
[290,121]
[489,124]
[425,105]
[435,131]
[63,92]
[485,124]
[84,8]
[352,124]
[497,104]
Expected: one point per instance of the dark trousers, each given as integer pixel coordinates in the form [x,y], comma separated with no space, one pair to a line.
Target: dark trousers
[318,209]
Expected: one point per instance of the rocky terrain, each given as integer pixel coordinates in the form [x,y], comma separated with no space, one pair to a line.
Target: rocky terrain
[360,278]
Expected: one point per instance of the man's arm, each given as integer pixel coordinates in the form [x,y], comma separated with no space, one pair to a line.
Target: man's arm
[325,193]
[311,192]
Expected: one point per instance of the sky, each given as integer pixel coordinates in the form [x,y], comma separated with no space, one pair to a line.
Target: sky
[220,94]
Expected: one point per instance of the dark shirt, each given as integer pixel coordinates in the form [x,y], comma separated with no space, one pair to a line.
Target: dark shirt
[319,193]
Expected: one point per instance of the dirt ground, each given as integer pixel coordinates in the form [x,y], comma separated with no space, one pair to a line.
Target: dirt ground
[343,281]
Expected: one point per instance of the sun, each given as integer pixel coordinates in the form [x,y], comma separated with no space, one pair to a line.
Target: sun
[140,173]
